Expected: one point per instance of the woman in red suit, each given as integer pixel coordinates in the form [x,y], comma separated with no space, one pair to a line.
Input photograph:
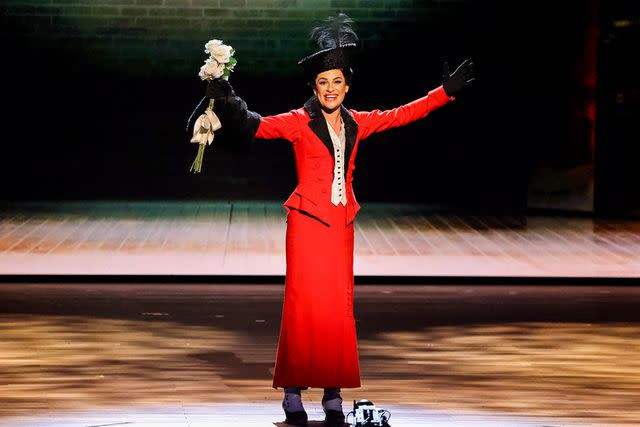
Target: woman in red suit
[317,345]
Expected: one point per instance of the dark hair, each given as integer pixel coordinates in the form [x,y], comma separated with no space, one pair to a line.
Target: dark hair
[347,72]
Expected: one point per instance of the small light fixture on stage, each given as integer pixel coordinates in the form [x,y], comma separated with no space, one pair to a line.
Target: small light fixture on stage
[365,414]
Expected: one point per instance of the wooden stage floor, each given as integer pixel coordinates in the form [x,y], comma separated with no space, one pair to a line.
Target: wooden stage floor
[247,238]
[77,355]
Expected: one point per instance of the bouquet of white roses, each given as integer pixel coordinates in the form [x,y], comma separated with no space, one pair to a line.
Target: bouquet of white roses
[220,64]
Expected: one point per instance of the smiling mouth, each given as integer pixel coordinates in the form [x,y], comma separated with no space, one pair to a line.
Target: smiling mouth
[331,97]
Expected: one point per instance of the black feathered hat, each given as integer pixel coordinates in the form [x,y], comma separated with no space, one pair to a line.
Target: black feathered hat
[337,42]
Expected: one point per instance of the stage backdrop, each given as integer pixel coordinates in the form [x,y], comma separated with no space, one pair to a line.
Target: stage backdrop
[99,93]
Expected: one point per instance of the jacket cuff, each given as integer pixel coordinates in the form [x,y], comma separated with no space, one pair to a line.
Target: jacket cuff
[440,95]
[252,123]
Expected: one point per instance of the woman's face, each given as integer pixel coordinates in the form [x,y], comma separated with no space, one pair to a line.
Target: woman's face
[330,87]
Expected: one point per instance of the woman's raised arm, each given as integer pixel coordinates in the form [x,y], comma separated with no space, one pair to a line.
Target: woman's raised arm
[377,121]
[233,113]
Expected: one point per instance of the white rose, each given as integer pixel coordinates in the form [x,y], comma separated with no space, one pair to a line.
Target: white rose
[221,53]
[211,44]
[211,70]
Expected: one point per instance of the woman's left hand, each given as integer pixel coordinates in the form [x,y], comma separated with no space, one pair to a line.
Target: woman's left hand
[462,77]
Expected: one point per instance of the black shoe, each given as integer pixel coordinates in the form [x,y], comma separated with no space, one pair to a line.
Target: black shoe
[298,418]
[332,417]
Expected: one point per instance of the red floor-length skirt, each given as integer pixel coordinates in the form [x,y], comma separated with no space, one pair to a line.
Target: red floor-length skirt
[317,346]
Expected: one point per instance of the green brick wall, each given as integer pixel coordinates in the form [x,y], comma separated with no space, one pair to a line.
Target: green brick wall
[136,36]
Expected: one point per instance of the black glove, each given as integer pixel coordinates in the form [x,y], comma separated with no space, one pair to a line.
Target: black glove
[219,88]
[238,123]
[462,77]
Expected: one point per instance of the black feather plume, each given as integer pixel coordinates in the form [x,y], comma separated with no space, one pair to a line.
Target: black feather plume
[335,32]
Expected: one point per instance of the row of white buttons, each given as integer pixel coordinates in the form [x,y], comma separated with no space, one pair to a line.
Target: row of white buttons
[336,187]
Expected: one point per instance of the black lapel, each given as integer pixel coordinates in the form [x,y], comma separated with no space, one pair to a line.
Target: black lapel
[318,125]
[350,133]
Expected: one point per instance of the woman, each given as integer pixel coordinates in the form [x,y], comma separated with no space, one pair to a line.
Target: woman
[317,345]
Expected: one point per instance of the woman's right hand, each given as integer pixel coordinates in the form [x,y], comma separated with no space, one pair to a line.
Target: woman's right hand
[219,88]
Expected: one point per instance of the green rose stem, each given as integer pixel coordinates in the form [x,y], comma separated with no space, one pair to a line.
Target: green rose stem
[196,166]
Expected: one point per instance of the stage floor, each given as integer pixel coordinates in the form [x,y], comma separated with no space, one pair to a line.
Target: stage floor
[247,238]
[78,355]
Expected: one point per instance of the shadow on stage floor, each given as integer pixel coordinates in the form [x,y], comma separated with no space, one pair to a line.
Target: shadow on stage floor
[194,355]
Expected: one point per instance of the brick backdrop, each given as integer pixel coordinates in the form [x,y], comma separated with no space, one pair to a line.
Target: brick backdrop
[138,35]
[118,78]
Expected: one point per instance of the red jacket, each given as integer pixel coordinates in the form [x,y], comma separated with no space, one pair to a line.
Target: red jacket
[307,129]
